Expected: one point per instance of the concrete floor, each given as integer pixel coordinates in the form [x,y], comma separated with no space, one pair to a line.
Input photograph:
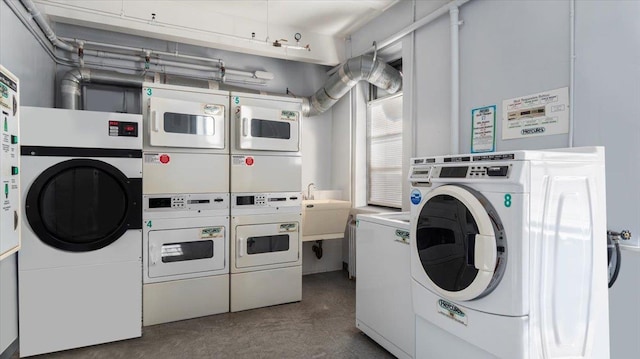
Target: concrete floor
[321,326]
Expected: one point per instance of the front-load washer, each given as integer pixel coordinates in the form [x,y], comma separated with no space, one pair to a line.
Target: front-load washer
[186,256]
[80,266]
[186,142]
[266,251]
[508,255]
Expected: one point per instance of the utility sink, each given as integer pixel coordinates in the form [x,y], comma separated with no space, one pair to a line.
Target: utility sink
[324,219]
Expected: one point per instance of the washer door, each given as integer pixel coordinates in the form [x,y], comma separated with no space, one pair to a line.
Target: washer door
[460,243]
[83,205]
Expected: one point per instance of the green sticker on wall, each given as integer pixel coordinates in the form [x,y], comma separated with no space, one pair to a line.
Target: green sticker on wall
[149,92]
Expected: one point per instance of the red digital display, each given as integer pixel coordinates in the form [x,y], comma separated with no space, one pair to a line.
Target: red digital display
[129,128]
[113,123]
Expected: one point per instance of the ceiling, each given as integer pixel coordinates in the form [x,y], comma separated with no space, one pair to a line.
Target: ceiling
[248,26]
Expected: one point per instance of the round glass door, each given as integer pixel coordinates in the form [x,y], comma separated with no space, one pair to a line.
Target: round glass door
[460,243]
[81,205]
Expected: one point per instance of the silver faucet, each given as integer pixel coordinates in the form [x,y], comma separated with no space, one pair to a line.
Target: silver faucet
[309,195]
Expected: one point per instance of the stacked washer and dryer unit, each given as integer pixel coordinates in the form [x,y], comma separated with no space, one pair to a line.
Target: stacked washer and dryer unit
[266,198]
[507,255]
[185,203]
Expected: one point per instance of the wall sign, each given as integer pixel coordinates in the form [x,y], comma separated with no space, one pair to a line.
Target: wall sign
[483,129]
[541,114]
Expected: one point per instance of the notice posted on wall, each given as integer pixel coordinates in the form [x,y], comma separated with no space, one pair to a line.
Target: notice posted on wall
[541,114]
[483,129]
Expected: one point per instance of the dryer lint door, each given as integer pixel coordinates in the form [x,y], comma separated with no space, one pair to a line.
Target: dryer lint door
[460,243]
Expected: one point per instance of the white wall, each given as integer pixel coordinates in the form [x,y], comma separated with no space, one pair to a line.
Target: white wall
[22,55]
[515,48]
[607,112]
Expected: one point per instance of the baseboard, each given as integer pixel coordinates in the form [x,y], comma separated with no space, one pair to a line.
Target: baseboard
[11,349]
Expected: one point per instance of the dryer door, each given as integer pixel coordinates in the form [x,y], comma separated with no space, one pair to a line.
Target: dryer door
[460,243]
[82,205]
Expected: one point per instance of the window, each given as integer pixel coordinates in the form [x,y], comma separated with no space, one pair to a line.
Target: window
[384,151]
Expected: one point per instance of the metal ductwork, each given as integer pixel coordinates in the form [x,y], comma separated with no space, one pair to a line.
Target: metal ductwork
[71,84]
[365,67]
[356,69]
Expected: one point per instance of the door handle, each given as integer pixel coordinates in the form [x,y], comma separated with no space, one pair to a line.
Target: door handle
[154,121]
[245,127]
[153,254]
[485,253]
[240,247]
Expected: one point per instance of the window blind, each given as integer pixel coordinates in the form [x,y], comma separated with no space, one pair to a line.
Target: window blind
[384,152]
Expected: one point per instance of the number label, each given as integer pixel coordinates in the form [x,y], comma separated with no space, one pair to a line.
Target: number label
[507,200]
[149,92]
[149,225]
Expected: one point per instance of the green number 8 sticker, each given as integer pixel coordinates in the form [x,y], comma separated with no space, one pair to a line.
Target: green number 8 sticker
[507,200]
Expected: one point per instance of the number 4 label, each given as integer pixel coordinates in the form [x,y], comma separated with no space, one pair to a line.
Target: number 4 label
[148,224]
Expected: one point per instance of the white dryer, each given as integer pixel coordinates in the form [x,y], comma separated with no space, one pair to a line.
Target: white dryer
[185,140]
[507,255]
[80,264]
[266,250]
[186,259]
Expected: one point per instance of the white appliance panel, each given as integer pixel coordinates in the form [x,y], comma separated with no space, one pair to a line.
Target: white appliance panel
[177,172]
[185,299]
[264,288]
[266,173]
[88,129]
[52,322]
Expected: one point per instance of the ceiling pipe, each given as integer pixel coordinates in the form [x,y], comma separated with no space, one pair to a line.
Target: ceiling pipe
[44,26]
[454,19]
[361,68]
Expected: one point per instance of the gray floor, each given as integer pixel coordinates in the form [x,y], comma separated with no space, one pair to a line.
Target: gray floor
[321,326]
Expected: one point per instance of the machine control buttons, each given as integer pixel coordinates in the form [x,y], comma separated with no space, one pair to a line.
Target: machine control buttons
[123,129]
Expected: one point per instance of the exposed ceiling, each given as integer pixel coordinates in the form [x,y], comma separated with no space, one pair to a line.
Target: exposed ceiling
[248,26]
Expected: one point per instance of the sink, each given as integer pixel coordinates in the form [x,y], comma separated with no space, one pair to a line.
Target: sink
[324,218]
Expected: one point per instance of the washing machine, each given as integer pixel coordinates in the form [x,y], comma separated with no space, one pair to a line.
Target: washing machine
[80,266]
[266,250]
[384,311]
[508,255]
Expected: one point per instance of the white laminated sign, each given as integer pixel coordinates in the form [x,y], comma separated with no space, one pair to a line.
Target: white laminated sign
[542,114]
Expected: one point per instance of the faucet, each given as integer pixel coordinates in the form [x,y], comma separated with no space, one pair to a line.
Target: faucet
[309,195]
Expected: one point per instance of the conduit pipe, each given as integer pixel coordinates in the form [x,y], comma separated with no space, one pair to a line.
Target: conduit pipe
[70,86]
[454,19]
[44,26]
[142,50]
[348,75]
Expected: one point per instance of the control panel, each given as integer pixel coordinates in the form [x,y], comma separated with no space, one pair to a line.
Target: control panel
[186,202]
[123,129]
[266,200]
[425,173]
[9,164]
